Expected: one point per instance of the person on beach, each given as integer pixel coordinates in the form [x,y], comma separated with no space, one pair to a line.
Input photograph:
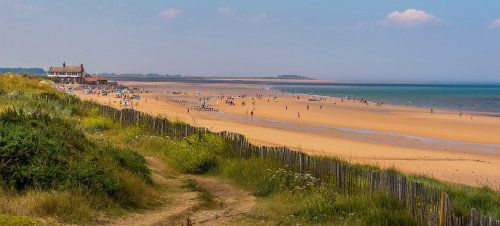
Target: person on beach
[286,107]
[460,113]
[298,115]
[432,111]
[308,107]
[251,114]
[188,110]
[246,111]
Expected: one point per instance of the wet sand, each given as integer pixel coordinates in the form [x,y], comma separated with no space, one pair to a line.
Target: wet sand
[443,145]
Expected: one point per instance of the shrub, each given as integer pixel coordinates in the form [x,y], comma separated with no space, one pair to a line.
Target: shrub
[196,154]
[190,159]
[97,123]
[44,153]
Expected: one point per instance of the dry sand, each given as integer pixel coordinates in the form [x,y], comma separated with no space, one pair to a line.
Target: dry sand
[458,164]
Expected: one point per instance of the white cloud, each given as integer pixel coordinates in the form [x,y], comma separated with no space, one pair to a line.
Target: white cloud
[494,24]
[409,18]
[225,10]
[170,13]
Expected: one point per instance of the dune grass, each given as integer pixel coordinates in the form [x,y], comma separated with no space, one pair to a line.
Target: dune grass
[50,169]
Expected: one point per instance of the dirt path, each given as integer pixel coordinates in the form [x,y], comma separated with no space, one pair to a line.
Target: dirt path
[235,202]
[180,202]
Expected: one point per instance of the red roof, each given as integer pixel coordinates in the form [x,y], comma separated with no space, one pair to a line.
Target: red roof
[90,79]
[99,78]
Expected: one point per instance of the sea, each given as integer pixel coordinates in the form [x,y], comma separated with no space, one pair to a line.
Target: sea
[460,97]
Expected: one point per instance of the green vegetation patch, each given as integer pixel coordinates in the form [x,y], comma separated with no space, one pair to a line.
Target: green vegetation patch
[26,83]
[19,220]
[284,180]
[93,122]
[132,161]
[40,152]
[196,154]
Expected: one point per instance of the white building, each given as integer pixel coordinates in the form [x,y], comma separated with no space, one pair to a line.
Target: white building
[73,74]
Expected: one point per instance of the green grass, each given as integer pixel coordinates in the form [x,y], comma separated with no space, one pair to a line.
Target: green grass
[294,198]
[19,220]
[464,198]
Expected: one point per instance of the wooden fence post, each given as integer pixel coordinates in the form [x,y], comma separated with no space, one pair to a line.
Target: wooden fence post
[442,214]
[372,182]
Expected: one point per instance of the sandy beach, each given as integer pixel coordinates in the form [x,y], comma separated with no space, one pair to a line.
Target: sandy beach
[444,145]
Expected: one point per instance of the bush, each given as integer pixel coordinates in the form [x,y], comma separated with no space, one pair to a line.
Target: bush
[190,159]
[44,153]
[97,123]
[197,154]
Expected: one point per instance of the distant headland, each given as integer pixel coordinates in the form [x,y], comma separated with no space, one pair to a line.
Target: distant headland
[35,71]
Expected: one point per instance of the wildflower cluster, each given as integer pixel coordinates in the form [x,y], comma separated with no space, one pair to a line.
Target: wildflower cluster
[284,180]
[145,137]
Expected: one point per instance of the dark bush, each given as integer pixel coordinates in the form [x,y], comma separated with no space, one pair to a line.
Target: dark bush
[37,151]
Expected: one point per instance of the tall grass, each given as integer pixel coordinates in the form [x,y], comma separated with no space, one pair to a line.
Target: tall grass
[12,83]
[464,198]
[295,198]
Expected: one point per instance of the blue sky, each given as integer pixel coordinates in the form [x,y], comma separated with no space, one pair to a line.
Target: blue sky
[451,41]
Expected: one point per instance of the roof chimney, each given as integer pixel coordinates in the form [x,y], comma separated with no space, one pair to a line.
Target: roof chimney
[64,64]
[81,66]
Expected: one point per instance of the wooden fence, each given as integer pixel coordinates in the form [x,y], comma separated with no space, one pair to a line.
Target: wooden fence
[427,204]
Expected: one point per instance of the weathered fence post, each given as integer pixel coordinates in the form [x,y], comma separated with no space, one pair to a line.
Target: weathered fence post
[121,116]
[372,182]
[442,214]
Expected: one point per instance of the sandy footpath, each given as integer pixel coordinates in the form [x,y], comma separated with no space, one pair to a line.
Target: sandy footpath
[457,165]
